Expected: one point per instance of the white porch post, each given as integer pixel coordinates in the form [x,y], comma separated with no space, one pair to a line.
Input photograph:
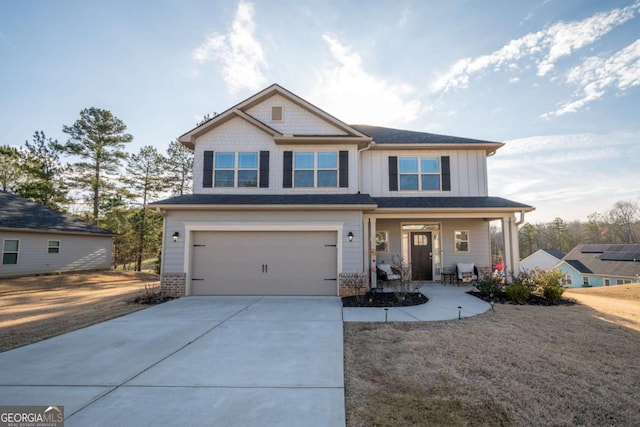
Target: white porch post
[515,246]
[365,244]
[511,246]
[372,252]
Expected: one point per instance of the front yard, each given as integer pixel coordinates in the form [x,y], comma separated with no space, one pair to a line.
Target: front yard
[519,365]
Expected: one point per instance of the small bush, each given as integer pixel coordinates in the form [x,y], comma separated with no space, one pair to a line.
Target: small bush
[518,292]
[552,293]
[490,285]
[549,284]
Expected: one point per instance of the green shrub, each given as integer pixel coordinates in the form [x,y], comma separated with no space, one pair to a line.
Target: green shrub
[490,285]
[552,293]
[549,284]
[518,292]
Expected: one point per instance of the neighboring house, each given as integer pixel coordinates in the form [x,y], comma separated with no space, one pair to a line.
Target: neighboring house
[601,265]
[542,258]
[36,240]
[289,200]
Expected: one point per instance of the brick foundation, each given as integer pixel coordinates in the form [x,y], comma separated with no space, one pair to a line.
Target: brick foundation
[173,284]
[353,284]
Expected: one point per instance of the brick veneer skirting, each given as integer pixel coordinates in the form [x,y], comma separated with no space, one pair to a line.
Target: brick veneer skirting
[173,284]
[353,284]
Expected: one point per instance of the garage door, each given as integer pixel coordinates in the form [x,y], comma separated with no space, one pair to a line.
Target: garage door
[264,263]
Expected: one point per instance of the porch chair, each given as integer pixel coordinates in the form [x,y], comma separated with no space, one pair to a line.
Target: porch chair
[386,273]
[466,272]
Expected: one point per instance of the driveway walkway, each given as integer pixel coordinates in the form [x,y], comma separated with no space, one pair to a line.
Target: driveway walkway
[194,361]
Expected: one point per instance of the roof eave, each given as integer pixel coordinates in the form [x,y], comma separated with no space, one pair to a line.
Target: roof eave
[35,230]
[319,139]
[264,207]
[490,148]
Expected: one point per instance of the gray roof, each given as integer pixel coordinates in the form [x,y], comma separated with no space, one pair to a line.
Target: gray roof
[595,259]
[268,199]
[382,135]
[555,253]
[448,202]
[19,213]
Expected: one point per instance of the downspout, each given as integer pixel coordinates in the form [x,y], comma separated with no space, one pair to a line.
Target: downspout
[521,220]
[358,161]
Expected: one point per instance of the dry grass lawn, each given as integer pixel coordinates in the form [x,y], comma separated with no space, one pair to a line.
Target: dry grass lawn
[517,366]
[39,307]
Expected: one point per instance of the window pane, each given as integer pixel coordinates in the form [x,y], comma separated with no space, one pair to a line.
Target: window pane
[408,182]
[462,246]
[462,235]
[408,165]
[303,179]
[248,178]
[248,160]
[11,246]
[327,179]
[225,160]
[224,178]
[10,258]
[430,182]
[327,160]
[303,161]
[430,165]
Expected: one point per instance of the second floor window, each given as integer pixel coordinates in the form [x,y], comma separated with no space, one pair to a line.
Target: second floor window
[315,169]
[233,169]
[419,173]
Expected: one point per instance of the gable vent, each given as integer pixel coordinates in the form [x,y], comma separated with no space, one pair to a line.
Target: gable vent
[276,113]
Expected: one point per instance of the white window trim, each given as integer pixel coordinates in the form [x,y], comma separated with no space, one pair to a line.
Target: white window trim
[455,241]
[420,173]
[568,279]
[51,247]
[236,168]
[316,169]
[585,280]
[10,252]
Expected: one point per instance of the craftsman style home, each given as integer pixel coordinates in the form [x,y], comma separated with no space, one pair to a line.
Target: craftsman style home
[289,200]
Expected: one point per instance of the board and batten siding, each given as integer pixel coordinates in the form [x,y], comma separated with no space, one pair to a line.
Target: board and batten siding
[468,170]
[77,253]
[173,254]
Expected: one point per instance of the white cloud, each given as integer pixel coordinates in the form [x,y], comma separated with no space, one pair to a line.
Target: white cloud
[351,93]
[595,74]
[544,47]
[238,52]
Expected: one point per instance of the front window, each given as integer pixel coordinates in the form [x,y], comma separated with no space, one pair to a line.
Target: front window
[53,246]
[568,280]
[236,169]
[585,281]
[382,241]
[462,241]
[419,173]
[315,169]
[10,249]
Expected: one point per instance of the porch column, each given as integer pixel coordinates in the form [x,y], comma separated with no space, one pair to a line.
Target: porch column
[515,245]
[365,244]
[372,252]
[511,246]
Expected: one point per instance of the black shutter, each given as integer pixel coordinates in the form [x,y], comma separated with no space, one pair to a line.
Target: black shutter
[446,173]
[287,170]
[207,170]
[343,166]
[393,173]
[264,169]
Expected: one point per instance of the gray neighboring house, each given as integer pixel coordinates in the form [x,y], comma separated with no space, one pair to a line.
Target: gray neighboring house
[37,240]
[601,265]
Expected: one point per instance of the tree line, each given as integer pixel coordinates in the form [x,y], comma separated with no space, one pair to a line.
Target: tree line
[620,224]
[110,185]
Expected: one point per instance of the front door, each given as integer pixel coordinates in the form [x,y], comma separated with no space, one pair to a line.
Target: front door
[421,256]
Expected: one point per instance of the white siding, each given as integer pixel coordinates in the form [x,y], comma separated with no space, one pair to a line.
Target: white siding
[539,258]
[295,119]
[468,173]
[76,253]
[173,255]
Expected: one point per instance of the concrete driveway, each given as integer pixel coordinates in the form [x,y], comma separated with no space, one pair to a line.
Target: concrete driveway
[239,361]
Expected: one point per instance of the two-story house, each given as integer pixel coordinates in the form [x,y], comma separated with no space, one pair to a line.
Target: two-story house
[288,199]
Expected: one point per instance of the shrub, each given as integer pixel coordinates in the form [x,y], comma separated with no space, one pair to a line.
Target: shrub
[549,284]
[518,292]
[490,285]
[552,293]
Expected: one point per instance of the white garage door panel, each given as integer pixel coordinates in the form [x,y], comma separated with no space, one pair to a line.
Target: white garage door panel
[264,263]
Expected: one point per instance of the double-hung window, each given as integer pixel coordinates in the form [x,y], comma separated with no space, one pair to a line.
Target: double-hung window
[315,169]
[233,169]
[10,249]
[419,173]
[53,246]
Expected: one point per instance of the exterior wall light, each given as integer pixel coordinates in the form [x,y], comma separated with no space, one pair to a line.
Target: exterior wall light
[175,236]
[350,236]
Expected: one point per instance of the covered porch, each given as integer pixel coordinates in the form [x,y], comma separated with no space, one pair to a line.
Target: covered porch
[430,242]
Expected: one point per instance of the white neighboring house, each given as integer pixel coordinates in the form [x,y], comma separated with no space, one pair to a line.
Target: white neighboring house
[542,258]
[37,240]
[289,200]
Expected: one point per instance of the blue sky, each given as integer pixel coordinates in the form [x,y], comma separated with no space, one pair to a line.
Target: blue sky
[557,80]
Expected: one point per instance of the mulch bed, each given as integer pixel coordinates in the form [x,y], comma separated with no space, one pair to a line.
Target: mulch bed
[385,299]
[501,298]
